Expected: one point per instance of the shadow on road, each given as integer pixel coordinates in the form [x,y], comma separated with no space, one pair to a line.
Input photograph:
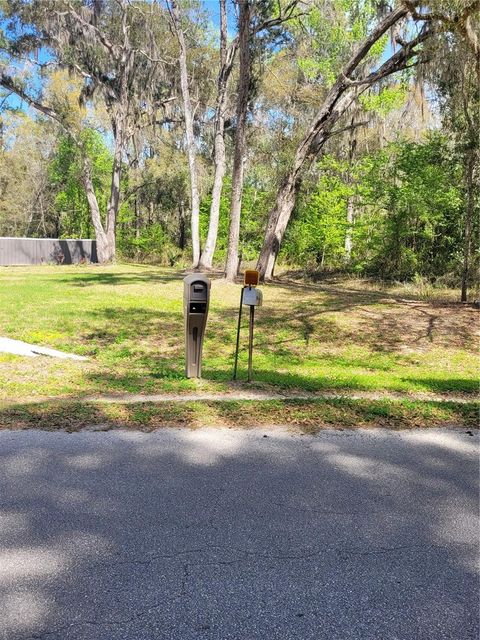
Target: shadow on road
[208,534]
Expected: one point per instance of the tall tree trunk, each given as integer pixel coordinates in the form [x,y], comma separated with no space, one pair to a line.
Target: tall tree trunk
[191,152]
[138,218]
[114,199]
[467,242]
[231,266]
[135,164]
[348,232]
[181,225]
[219,155]
[104,250]
[106,235]
[137,225]
[352,146]
[277,223]
[119,118]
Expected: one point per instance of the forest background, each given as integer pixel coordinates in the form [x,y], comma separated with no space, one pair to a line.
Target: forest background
[325,136]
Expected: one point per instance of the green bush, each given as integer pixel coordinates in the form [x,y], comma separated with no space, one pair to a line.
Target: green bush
[152,246]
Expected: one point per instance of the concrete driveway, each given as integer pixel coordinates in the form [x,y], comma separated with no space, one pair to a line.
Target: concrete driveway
[227,534]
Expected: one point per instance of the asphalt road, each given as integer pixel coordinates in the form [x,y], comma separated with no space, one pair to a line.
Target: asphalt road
[227,534]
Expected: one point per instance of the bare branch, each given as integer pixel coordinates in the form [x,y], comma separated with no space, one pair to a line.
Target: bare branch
[42,65]
[152,59]
[5,98]
[9,83]
[284,16]
[80,71]
[380,29]
[395,63]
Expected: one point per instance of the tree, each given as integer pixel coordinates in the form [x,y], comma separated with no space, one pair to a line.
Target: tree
[26,196]
[456,75]
[253,19]
[65,173]
[319,132]
[354,78]
[227,58]
[188,115]
[412,227]
[243,94]
[408,201]
[103,44]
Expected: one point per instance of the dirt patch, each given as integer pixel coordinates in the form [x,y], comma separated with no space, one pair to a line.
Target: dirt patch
[415,327]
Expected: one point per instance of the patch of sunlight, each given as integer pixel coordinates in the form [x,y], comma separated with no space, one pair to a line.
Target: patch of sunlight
[23,611]
[12,523]
[446,440]
[363,467]
[21,563]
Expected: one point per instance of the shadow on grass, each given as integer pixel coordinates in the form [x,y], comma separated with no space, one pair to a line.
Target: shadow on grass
[394,326]
[447,385]
[376,288]
[133,277]
[138,348]
[114,325]
[295,382]
[413,324]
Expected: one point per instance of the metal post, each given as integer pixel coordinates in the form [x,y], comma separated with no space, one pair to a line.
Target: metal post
[238,334]
[250,342]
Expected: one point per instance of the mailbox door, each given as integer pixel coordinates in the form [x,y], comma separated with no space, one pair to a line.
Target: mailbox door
[199,291]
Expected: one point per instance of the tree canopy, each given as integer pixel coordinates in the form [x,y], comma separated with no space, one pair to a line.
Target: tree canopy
[325,135]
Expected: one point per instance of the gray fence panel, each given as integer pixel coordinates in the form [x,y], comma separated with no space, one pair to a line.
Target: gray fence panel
[25,251]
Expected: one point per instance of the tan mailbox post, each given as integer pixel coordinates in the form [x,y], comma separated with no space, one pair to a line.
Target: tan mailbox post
[196,298]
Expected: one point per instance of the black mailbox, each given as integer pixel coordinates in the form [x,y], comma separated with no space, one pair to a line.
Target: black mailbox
[196,298]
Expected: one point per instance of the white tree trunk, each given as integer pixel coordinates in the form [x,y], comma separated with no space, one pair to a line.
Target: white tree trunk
[206,259]
[114,199]
[348,232]
[104,246]
[220,162]
[231,266]
[467,228]
[191,151]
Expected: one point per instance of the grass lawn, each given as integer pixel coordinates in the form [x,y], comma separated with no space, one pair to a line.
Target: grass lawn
[128,320]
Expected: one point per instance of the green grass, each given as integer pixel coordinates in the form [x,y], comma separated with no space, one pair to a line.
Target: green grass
[128,320]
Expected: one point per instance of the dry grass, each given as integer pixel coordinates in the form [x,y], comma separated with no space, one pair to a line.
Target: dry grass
[302,416]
